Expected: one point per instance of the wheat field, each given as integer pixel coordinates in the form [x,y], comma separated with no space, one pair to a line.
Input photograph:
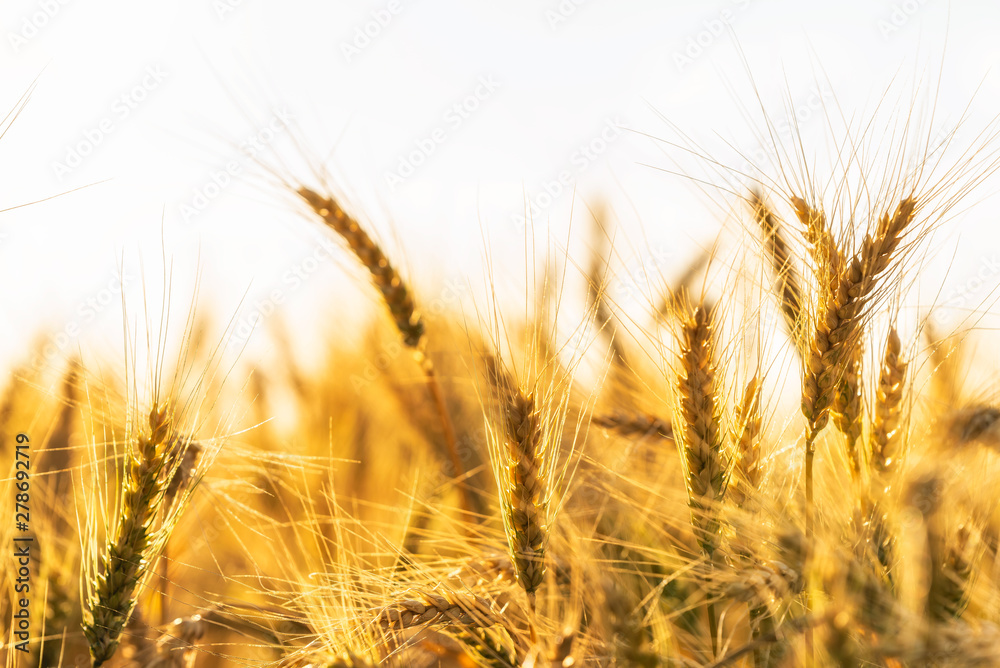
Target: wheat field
[782,461]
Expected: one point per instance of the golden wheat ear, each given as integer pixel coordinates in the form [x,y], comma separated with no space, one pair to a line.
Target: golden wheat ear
[747,438]
[698,427]
[399,299]
[776,251]
[126,557]
[518,448]
[395,292]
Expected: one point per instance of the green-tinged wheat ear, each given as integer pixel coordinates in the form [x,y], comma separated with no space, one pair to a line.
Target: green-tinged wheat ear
[747,439]
[395,293]
[888,409]
[776,250]
[125,559]
[698,429]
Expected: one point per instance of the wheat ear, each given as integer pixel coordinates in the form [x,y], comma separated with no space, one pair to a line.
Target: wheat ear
[838,327]
[399,299]
[521,480]
[777,251]
[126,557]
[747,440]
[634,424]
[699,431]
[828,263]
[699,435]
[438,608]
[887,414]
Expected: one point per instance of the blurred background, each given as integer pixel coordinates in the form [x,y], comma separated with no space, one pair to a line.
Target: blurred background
[450,127]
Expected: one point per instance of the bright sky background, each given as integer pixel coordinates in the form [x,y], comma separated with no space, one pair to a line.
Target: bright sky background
[160,96]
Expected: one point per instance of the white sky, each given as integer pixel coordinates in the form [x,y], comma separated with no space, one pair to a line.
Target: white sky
[201,78]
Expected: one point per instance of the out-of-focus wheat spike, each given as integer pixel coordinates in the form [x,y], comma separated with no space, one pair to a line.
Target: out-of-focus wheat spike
[951,573]
[634,424]
[888,409]
[747,439]
[175,648]
[945,354]
[777,251]
[437,608]
[973,424]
